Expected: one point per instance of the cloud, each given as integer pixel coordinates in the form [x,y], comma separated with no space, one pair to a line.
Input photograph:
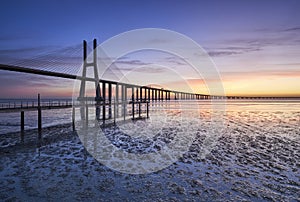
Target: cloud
[175,60]
[146,69]
[222,53]
[255,41]
[232,50]
[132,62]
[292,29]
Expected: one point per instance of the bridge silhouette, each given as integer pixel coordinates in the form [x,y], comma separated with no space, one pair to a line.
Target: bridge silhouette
[104,101]
[45,65]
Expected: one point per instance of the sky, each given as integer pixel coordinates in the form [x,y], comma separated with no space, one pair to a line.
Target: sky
[254,45]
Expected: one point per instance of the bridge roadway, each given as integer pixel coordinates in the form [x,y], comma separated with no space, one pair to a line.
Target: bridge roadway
[150,93]
[157,93]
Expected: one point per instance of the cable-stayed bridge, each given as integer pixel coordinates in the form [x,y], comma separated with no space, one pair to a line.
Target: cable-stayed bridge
[108,104]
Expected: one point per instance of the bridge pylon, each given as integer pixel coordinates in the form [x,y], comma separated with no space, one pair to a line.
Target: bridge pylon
[82,94]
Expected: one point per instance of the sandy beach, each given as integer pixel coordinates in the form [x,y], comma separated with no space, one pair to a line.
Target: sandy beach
[257,158]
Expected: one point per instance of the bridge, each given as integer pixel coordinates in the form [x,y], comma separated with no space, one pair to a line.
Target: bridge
[107,106]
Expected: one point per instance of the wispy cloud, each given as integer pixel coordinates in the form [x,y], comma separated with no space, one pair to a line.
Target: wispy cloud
[146,69]
[132,62]
[174,60]
[232,50]
[255,41]
[292,29]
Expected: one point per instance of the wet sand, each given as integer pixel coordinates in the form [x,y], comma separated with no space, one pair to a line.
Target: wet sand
[257,158]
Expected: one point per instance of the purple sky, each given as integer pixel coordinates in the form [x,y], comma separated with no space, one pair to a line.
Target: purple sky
[254,44]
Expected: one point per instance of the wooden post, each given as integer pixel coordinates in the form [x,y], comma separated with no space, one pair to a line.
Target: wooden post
[139,109]
[86,114]
[147,110]
[22,121]
[22,126]
[73,118]
[39,114]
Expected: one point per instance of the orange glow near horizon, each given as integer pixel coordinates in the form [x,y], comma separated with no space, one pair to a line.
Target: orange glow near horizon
[280,86]
[244,85]
[268,87]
